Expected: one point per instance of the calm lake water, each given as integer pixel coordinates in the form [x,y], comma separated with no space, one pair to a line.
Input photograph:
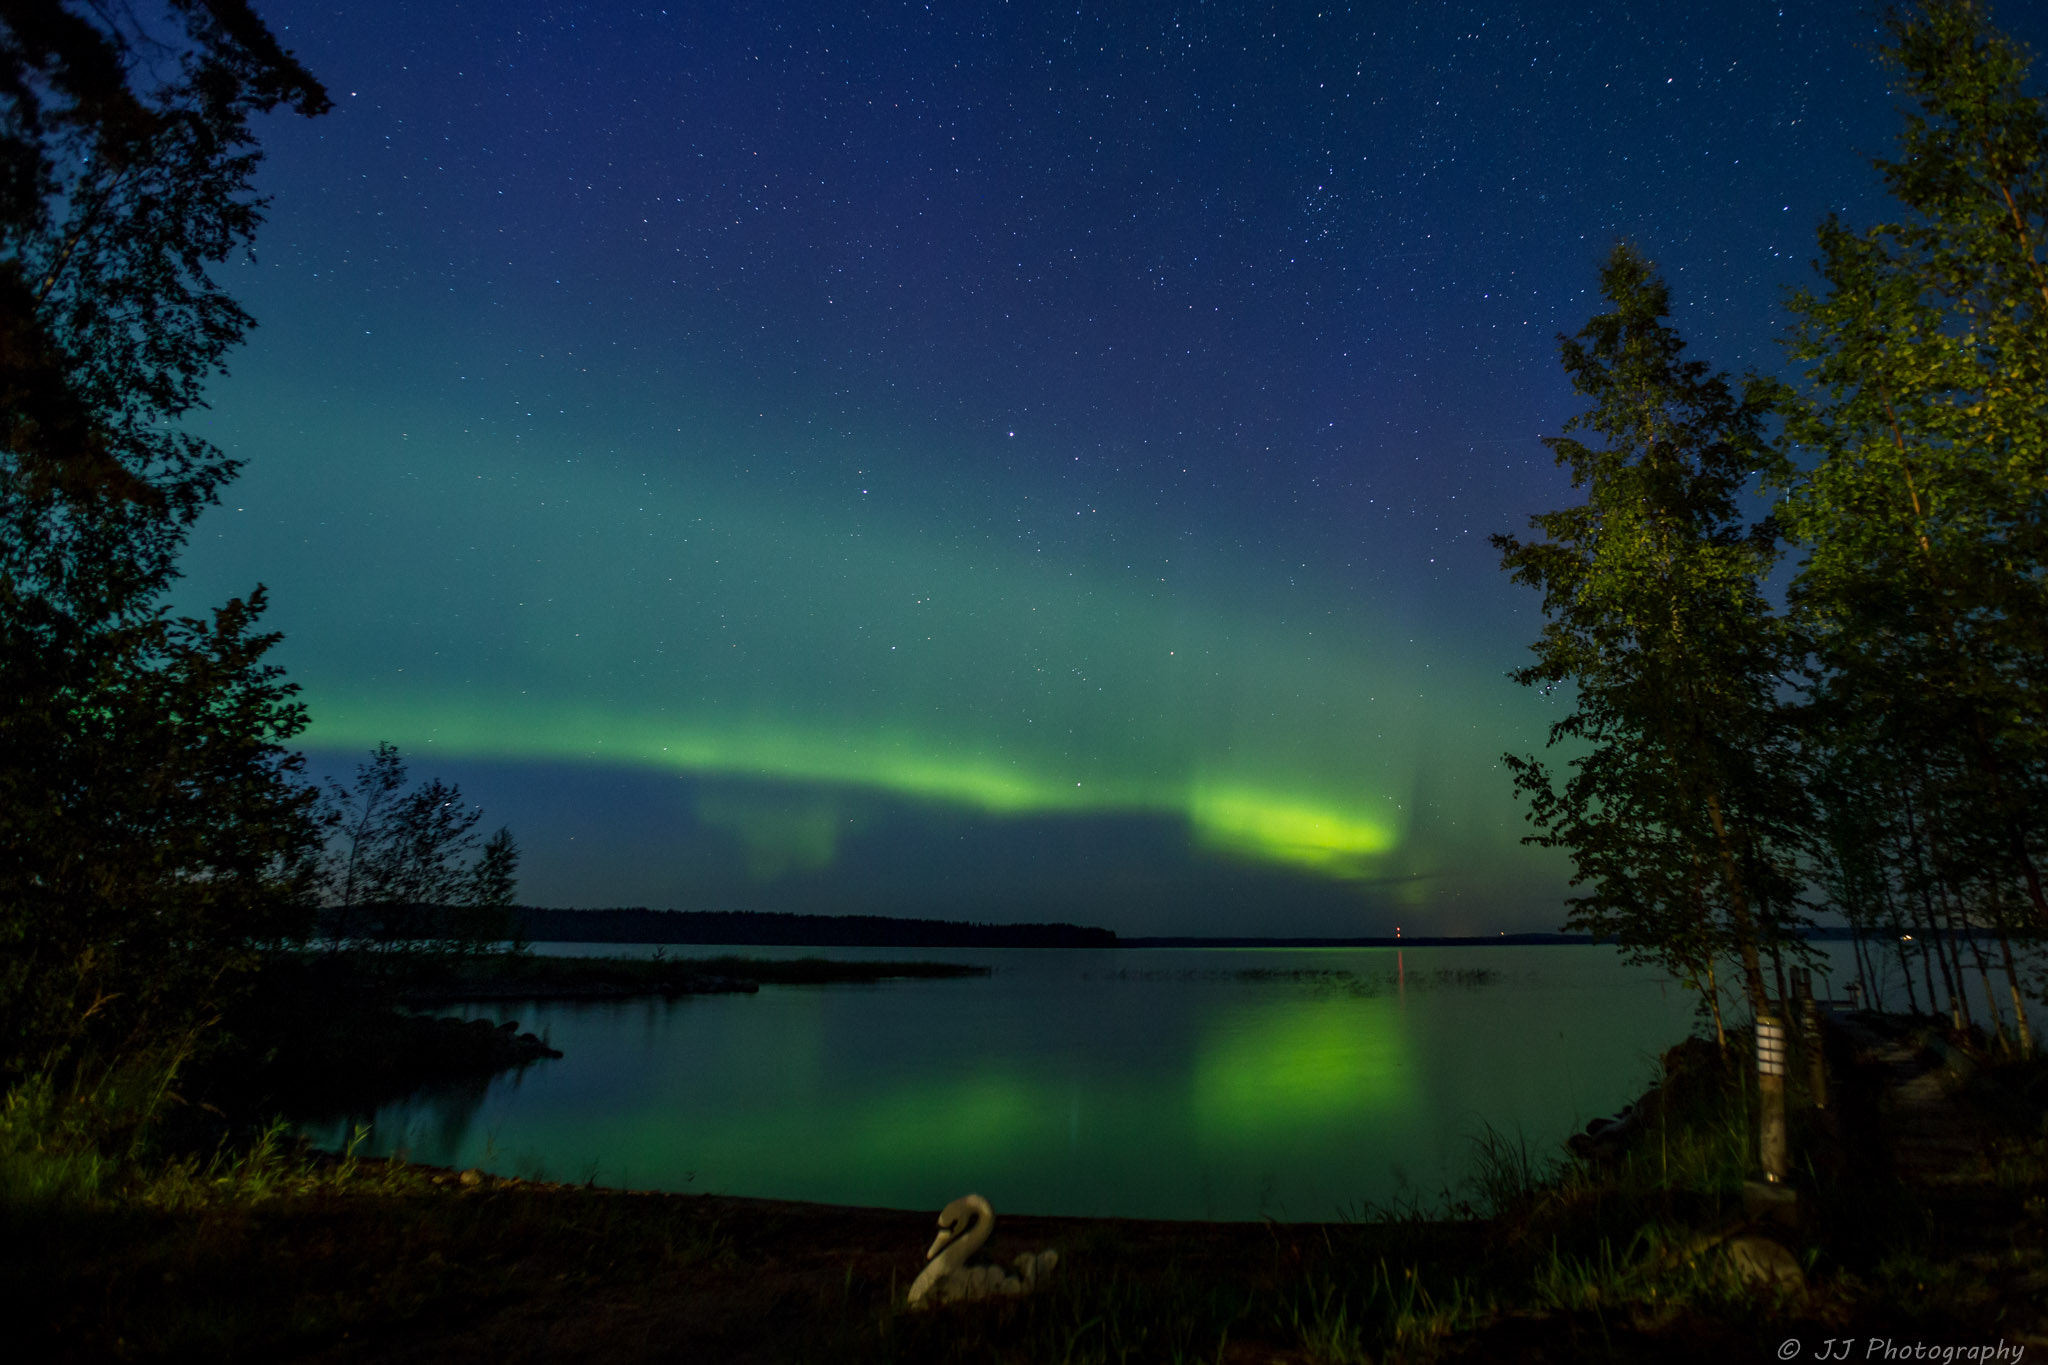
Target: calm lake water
[1159,1083]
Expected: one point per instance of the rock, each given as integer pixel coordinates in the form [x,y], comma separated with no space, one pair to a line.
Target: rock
[1694,1056]
[1757,1260]
[1768,1201]
[472,1177]
[1604,1138]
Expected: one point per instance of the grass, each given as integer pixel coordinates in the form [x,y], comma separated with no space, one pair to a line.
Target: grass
[1323,1299]
[266,1248]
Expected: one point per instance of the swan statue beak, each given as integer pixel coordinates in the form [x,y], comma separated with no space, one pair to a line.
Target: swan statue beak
[939,1242]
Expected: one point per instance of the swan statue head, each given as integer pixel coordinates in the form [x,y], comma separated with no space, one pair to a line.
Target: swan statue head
[954,1229]
[964,1225]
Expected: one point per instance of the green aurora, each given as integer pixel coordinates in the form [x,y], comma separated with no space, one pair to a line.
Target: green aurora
[1033,468]
[543,603]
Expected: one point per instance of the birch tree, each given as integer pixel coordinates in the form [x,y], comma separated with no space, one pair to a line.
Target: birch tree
[1679,800]
[1922,500]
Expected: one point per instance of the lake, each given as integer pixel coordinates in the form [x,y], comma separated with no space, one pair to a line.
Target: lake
[1297,1084]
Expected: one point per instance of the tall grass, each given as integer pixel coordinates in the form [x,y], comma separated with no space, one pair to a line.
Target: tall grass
[1505,1177]
[261,1249]
[1390,1311]
[80,1148]
[1341,1309]
[51,1150]
[1636,1230]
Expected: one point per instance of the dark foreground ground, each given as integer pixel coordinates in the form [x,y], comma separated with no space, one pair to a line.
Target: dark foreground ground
[1923,1225]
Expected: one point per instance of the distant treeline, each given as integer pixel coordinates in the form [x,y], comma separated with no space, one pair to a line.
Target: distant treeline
[1410,941]
[638,925]
[537,924]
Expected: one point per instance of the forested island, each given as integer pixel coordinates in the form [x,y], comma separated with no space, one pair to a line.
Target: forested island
[641,925]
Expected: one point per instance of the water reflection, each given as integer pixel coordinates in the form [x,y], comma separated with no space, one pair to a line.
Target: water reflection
[1292,1065]
[1198,1083]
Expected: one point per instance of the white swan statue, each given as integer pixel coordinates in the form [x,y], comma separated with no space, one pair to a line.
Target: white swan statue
[947,1276]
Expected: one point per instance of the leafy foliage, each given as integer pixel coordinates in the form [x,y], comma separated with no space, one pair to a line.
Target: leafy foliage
[155,834]
[120,185]
[152,832]
[1923,509]
[1680,808]
[399,872]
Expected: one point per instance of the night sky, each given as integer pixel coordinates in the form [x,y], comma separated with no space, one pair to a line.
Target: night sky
[1000,462]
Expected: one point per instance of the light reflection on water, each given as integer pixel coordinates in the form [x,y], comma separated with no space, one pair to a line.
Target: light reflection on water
[1170,1083]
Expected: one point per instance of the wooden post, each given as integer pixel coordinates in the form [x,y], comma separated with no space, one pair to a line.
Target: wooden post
[1816,1046]
[1770,1085]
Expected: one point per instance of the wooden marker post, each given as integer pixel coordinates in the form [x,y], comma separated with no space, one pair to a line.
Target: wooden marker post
[1770,1084]
[1810,1038]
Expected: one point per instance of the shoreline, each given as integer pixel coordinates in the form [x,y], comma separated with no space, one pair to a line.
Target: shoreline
[389,1038]
[325,1257]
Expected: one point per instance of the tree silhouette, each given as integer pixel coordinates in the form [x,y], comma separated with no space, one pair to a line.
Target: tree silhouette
[399,871]
[152,830]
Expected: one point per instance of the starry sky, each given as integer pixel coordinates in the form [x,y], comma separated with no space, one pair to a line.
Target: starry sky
[990,461]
